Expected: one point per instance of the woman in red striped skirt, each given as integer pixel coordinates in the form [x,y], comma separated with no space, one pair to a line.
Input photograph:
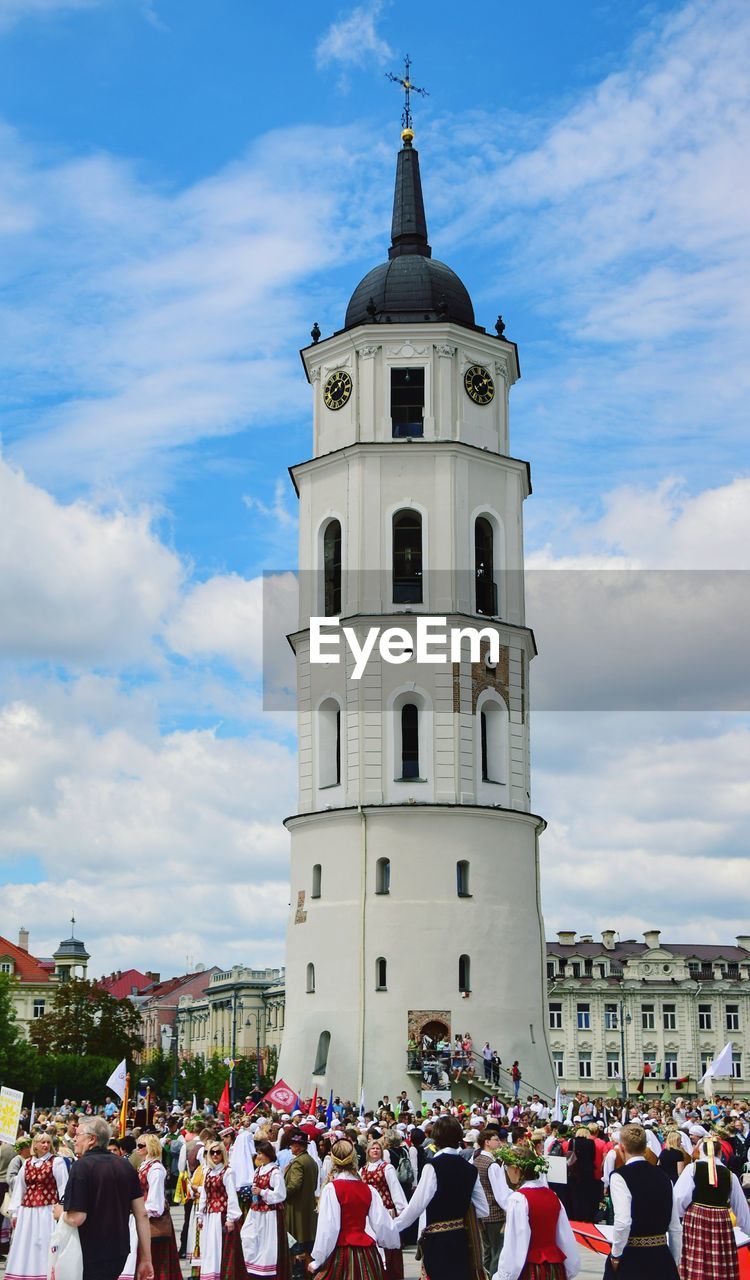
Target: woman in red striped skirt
[352,1222]
[704,1194]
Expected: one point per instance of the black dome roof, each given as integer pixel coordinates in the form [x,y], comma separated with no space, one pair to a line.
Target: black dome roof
[411,285]
[410,288]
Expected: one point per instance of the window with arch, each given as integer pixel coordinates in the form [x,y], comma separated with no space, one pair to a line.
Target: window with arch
[464,973]
[484,567]
[409,741]
[381,974]
[321,1056]
[383,875]
[329,743]
[407,557]
[493,734]
[316,880]
[462,879]
[310,979]
[332,568]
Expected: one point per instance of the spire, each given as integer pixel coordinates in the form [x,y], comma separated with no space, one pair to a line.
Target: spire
[409,225]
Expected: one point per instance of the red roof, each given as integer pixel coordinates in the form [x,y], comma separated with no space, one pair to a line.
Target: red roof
[129,982]
[25,966]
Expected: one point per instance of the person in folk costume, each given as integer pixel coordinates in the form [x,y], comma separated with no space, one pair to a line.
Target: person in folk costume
[152,1176]
[450,1196]
[39,1185]
[381,1175]
[645,1214]
[490,1228]
[352,1222]
[193,1247]
[538,1241]
[264,1239]
[705,1193]
[241,1162]
[219,1215]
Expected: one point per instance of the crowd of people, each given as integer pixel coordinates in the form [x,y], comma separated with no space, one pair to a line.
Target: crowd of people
[486,1190]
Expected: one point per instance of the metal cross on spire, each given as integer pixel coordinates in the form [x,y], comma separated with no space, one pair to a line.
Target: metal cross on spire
[408,88]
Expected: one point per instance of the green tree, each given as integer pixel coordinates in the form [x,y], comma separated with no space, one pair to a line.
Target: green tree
[88,1021]
[19,1062]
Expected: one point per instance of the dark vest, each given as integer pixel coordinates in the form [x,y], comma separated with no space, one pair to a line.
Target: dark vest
[455,1183]
[718,1196]
[651,1193]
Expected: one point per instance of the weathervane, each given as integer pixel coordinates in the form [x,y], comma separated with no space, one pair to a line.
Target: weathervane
[408,88]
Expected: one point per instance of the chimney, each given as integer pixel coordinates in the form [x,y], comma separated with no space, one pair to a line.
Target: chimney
[566,937]
[743,940]
[608,939]
[23,938]
[651,937]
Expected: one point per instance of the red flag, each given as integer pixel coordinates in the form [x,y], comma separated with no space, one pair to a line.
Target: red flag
[313,1103]
[281,1096]
[223,1107]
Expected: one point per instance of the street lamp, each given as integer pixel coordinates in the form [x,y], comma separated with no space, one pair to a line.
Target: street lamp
[255,1013]
[623,1019]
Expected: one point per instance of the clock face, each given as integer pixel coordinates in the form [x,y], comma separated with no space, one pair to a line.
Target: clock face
[337,389]
[478,384]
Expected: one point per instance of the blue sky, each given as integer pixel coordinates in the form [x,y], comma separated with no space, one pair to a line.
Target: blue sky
[185,189]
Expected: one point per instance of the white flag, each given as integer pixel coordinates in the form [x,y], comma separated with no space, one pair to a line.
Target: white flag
[557,1113]
[117,1081]
[195,1105]
[721,1065]
[362,1101]
[569,1116]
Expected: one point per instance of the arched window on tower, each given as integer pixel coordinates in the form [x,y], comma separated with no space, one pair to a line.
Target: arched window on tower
[484,567]
[409,740]
[383,875]
[464,973]
[407,557]
[332,569]
[381,974]
[462,879]
[317,874]
[321,1057]
[493,729]
[329,743]
[310,979]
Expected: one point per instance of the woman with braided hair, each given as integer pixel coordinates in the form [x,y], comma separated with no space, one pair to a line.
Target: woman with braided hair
[352,1222]
[538,1243]
[704,1194]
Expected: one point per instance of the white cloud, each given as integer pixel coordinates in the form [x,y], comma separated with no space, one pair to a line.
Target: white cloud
[221,617]
[353,39]
[12,11]
[79,584]
[179,836]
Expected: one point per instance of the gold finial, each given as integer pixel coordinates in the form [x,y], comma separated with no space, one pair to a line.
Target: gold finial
[407,132]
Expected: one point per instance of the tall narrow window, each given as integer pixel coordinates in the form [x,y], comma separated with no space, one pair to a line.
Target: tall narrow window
[321,1057]
[329,743]
[407,557]
[493,729]
[381,974]
[484,567]
[462,879]
[310,979]
[407,402]
[383,875]
[316,880]
[409,740]
[464,973]
[332,568]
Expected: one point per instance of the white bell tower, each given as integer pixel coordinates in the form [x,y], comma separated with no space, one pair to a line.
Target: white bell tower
[414,853]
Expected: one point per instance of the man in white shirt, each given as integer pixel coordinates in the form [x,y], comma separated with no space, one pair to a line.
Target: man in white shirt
[645,1213]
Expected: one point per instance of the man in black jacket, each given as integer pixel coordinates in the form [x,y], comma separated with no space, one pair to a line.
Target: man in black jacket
[645,1215]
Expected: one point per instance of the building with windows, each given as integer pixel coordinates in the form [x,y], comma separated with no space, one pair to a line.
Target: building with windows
[414,852]
[239,1015]
[35,977]
[626,1009]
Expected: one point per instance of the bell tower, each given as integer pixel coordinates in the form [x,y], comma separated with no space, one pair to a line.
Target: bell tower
[414,851]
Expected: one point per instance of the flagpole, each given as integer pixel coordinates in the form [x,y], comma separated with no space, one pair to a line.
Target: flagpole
[124,1107]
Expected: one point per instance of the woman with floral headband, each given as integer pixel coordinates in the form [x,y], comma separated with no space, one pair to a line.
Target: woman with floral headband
[539,1243]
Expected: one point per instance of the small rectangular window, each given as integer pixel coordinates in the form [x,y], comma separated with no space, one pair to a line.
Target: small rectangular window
[558,1062]
[610,1017]
[648,1021]
[39,1007]
[584,1066]
[613,1066]
[733,1017]
[407,403]
[737,1066]
[670,1066]
[555,1017]
[584,1017]
[669,1014]
[705,1020]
